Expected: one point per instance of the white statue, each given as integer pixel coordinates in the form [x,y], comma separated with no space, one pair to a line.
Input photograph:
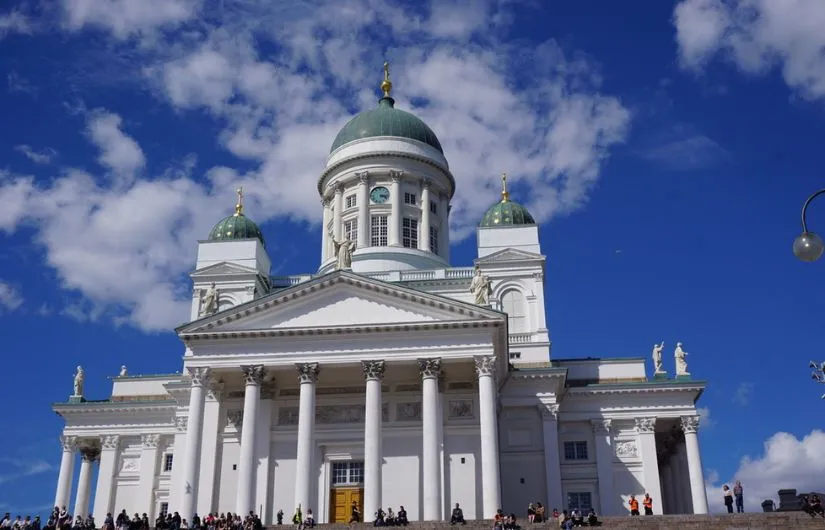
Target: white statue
[123,371]
[79,377]
[343,251]
[681,361]
[481,287]
[209,304]
[657,357]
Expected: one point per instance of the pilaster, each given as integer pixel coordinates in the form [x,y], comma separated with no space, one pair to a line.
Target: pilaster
[604,465]
[552,460]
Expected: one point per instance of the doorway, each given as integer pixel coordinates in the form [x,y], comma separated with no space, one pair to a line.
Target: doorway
[347,488]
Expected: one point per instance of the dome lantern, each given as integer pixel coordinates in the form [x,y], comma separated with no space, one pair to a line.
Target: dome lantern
[236,226]
[506,213]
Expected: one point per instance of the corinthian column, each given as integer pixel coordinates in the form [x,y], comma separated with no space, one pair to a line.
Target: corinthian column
[552,463]
[646,429]
[88,456]
[490,480]
[395,209]
[424,243]
[604,465]
[338,224]
[690,425]
[325,244]
[64,479]
[104,494]
[430,370]
[374,374]
[197,399]
[363,210]
[253,376]
[307,377]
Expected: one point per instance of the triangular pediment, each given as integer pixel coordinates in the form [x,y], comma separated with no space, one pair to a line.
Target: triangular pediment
[340,299]
[510,254]
[222,269]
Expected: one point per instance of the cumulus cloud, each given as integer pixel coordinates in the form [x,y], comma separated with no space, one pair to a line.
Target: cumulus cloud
[42,156]
[14,22]
[10,297]
[705,420]
[279,79]
[787,462]
[757,36]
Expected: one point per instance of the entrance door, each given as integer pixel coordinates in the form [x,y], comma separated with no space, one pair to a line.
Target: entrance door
[347,488]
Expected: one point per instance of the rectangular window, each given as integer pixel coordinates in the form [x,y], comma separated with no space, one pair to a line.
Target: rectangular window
[575,450]
[378,231]
[515,355]
[433,207]
[164,508]
[409,232]
[347,473]
[351,201]
[351,229]
[581,501]
[409,198]
[167,463]
[434,239]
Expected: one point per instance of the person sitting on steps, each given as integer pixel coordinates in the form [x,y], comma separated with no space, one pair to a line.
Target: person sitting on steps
[379,518]
[592,520]
[457,516]
[401,517]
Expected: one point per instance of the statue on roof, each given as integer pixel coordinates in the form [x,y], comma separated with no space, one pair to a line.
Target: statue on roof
[209,300]
[123,371]
[343,251]
[79,377]
[481,287]
[681,362]
[657,357]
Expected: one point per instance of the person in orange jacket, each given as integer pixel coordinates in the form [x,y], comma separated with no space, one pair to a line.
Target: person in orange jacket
[634,505]
[648,504]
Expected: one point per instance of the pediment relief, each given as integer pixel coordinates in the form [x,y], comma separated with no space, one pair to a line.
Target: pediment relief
[222,269]
[510,254]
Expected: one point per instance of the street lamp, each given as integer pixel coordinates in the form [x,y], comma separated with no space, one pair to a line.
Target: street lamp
[808,246]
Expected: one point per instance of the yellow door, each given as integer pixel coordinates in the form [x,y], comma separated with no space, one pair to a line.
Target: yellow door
[341,500]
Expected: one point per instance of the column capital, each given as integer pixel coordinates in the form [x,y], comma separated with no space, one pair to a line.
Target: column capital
[235,418]
[425,184]
[601,425]
[429,367]
[308,372]
[181,423]
[690,424]
[549,411]
[646,425]
[215,391]
[373,370]
[68,443]
[89,453]
[150,441]
[363,176]
[201,376]
[485,365]
[326,202]
[253,374]
[339,188]
[395,175]
[110,442]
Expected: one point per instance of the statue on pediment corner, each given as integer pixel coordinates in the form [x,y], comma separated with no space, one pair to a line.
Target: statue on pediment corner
[209,300]
[681,360]
[79,378]
[343,251]
[657,358]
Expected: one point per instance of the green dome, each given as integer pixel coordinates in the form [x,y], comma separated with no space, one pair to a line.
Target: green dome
[506,213]
[386,120]
[237,226]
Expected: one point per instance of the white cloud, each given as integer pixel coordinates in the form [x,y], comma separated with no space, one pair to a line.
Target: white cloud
[14,22]
[705,420]
[10,297]
[17,468]
[756,36]
[279,79]
[43,156]
[787,462]
[742,394]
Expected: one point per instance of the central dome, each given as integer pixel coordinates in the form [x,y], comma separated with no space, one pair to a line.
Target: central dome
[386,120]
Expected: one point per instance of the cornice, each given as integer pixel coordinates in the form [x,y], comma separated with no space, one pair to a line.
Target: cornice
[109,406]
[638,388]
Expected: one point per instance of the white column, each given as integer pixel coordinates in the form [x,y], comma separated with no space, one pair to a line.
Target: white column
[307,377]
[194,432]
[684,475]
[646,429]
[363,210]
[676,483]
[148,471]
[667,487]
[209,450]
[488,419]
[337,224]
[262,450]
[325,244]
[604,465]
[374,374]
[552,461]
[104,493]
[177,449]
[253,377]
[430,370]
[690,426]
[444,231]
[424,243]
[64,478]
[395,209]
[88,456]
[445,510]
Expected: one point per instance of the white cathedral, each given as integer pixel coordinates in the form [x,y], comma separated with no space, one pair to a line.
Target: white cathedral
[386,378]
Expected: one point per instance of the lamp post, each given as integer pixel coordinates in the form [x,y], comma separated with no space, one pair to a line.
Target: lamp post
[808,246]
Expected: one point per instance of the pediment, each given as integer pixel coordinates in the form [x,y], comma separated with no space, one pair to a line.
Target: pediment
[510,254]
[340,299]
[222,269]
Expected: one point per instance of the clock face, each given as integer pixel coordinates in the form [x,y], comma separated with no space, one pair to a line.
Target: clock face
[380,195]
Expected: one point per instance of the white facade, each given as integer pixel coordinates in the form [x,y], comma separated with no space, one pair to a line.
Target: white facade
[385,385]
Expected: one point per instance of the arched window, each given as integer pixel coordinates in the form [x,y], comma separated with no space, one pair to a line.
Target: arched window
[514,304]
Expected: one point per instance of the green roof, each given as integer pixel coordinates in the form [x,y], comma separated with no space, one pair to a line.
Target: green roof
[237,226]
[506,213]
[386,120]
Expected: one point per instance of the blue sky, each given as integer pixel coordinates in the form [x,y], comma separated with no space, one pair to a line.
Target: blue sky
[666,147]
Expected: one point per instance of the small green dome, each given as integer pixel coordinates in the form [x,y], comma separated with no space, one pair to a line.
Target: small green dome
[237,226]
[506,213]
[386,120]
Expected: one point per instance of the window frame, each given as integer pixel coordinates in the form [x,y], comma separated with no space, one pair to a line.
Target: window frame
[351,230]
[410,199]
[409,232]
[351,201]
[580,452]
[379,231]
[579,496]
[168,462]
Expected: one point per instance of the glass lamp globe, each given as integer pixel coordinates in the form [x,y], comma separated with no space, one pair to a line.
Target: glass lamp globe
[808,247]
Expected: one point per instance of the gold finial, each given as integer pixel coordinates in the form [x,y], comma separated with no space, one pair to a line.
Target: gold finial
[505,195]
[386,84]
[239,204]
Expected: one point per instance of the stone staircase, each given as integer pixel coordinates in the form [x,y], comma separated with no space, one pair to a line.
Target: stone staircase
[748,521]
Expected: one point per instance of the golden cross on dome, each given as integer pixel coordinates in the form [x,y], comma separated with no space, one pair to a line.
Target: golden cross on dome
[505,195]
[239,204]
[386,84]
